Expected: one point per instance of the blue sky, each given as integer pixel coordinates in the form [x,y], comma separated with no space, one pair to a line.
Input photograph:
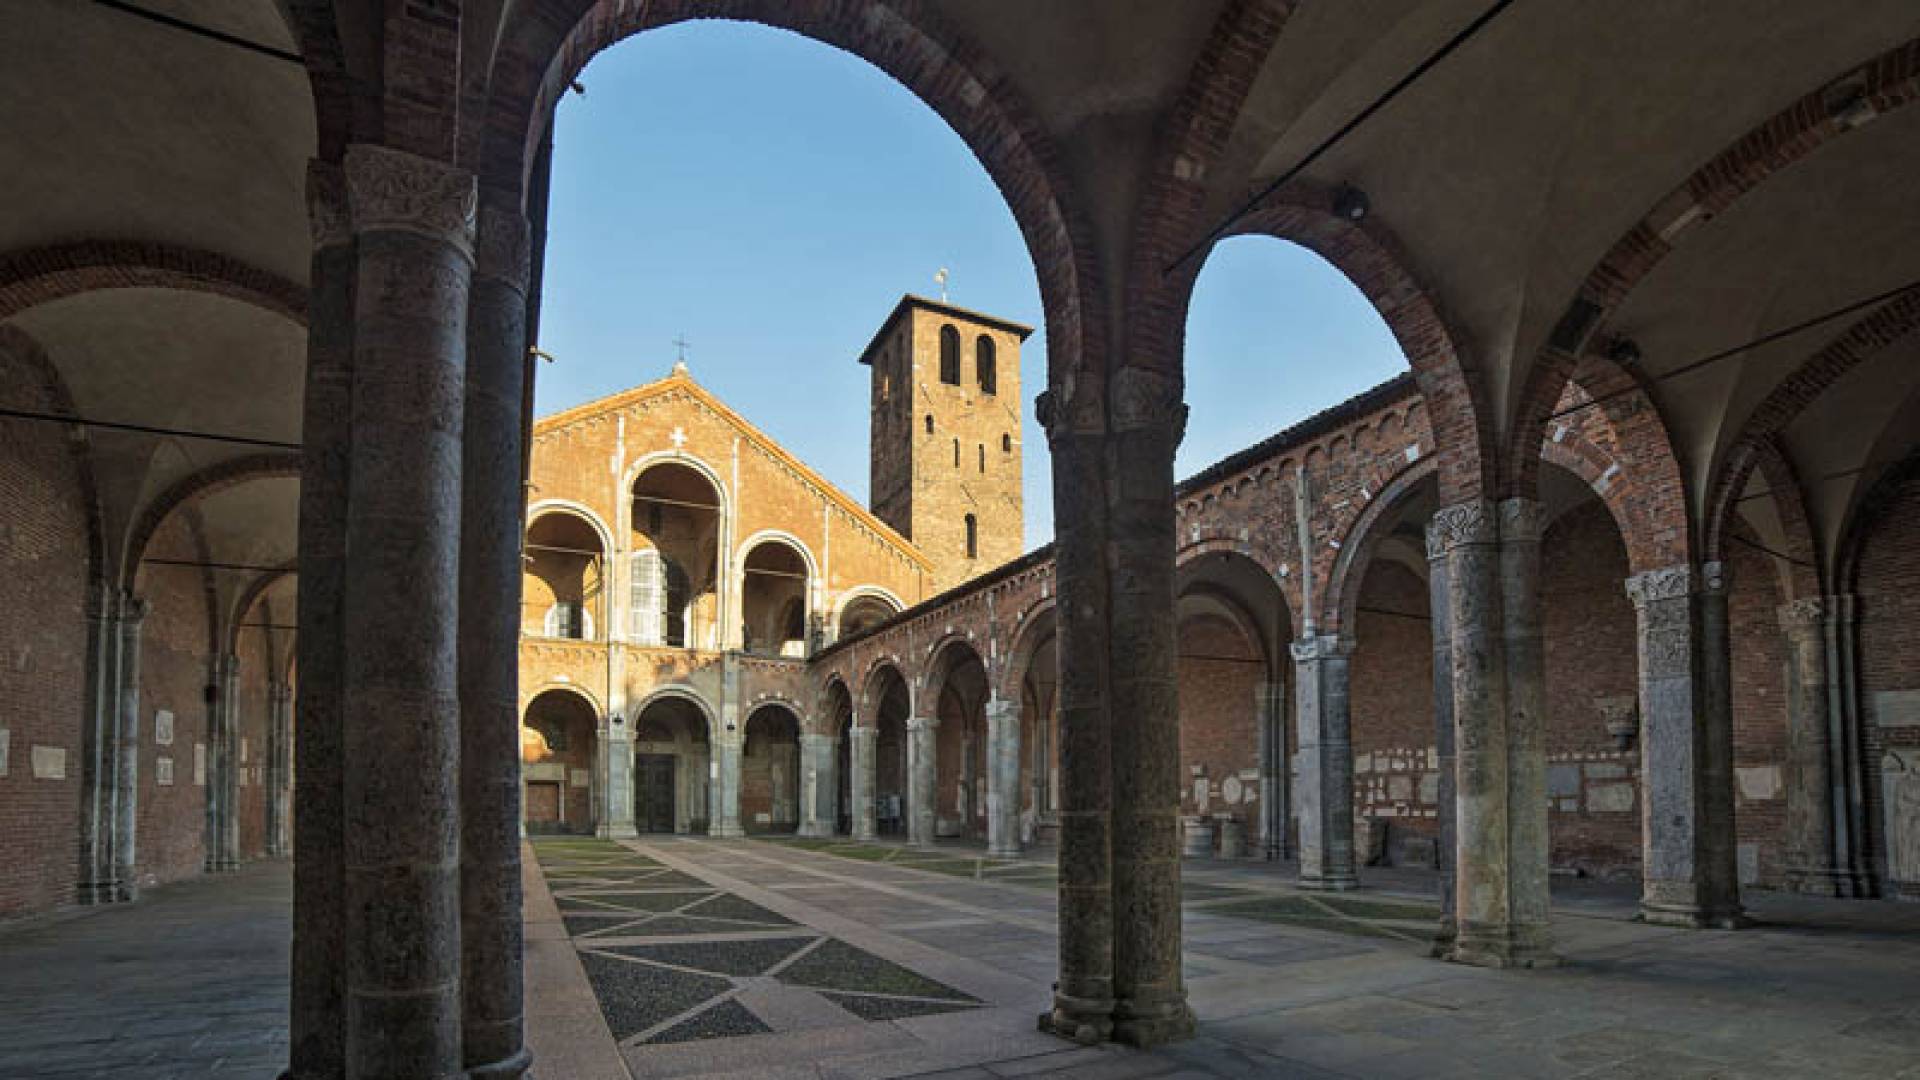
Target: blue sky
[770,198]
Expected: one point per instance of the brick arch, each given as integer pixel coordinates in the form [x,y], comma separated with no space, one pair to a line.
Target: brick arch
[229,473]
[1651,505]
[871,678]
[584,693]
[1341,599]
[1765,456]
[1021,646]
[250,596]
[35,276]
[544,47]
[1879,502]
[1886,82]
[939,663]
[59,398]
[312,24]
[1756,446]
[1592,465]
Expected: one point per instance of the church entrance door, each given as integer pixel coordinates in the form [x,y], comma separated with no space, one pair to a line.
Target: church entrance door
[653,793]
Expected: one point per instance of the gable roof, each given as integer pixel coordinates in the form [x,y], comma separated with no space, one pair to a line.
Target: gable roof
[681,380]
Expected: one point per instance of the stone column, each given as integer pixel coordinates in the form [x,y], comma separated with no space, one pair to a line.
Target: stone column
[860,785]
[413,219]
[1082,1007]
[126,751]
[279,766]
[317,1011]
[1810,774]
[1269,714]
[1685,754]
[1853,864]
[1443,854]
[922,777]
[817,786]
[724,817]
[616,765]
[223,798]
[1491,571]
[1324,792]
[98,883]
[1530,928]
[1003,779]
[492,506]
[1148,420]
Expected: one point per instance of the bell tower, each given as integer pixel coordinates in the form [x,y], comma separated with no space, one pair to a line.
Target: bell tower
[946,470]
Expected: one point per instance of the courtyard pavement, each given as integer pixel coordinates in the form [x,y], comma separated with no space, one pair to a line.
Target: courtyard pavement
[754,958]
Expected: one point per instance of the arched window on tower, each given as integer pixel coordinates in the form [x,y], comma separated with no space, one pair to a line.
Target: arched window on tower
[983,363]
[949,356]
[973,537]
[929,423]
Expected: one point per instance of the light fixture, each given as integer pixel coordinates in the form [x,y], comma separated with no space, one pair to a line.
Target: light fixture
[1350,203]
[1624,351]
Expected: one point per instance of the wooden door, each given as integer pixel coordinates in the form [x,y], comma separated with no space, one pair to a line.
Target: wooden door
[653,793]
[543,806]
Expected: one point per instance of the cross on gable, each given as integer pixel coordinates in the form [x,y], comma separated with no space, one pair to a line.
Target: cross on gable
[679,438]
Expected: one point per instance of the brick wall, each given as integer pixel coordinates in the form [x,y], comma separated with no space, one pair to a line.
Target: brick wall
[43,624]
[1888,587]
[1390,680]
[770,772]
[1588,624]
[1220,674]
[175,669]
[1759,716]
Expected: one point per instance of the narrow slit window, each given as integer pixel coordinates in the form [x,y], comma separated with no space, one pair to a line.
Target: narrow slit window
[983,364]
[973,537]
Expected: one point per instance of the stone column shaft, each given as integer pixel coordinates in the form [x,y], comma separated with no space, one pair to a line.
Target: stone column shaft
[1083,996]
[1003,779]
[1443,856]
[317,1013]
[224,799]
[860,786]
[413,218]
[1811,776]
[615,763]
[98,884]
[1148,420]
[1530,932]
[126,752]
[817,785]
[279,762]
[1269,711]
[724,817]
[1853,865]
[1324,792]
[492,508]
[922,777]
[1685,754]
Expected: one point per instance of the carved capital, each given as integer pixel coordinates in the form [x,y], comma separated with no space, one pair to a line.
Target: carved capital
[392,190]
[1068,409]
[327,212]
[1804,615]
[1322,647]
[1522,520]
[1666,583]
[502,251]
[927,724]
[1460,524]
[133,609]
[1148,400]
[1713,577]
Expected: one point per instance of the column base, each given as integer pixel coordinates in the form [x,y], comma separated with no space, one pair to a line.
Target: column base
[504,1069]
[1503,947]
[1004,851]
[1843,884]
[1330,882]
[90,893]
[1443,939]
[617,832]
[1082,1020]
[1153,1023]
[1693,917]
[726,832]
[866,836]
[815,830]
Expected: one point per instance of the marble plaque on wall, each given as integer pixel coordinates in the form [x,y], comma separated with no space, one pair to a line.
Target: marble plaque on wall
[49,762]
[1896,708]
[199,764]
[163,728]
[6,745]
[163,771]
[1900,799]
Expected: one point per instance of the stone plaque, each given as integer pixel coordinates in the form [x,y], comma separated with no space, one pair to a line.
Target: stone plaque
[163,771]
[1563,780]
[243,749]
[1897,708]
[49,762]
[1758,782]
[1200,793]
[1400,788]
[1610,798]
[581,778]
[1230,789]
[163,728]
[6,746]
[1900,798]
[199,764]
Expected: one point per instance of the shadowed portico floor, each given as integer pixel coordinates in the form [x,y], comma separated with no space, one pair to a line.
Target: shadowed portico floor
[791,962]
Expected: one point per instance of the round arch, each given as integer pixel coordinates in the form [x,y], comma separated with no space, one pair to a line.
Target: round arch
[874,594]
[765,606]
[546,507]
[559,739]
[1363,536]
[679,693]
[871,680]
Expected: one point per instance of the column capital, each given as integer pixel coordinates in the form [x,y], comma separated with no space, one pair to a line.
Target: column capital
[133,609]
[1665,583]
[923,723]
[1321,647]
[395,191]
[1714,577]
[860,734]
[502,251]
[1522,520]
[1002,708]
[327,212]
[1804,615]
[1142,399]
[808,738]
[1461,524]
